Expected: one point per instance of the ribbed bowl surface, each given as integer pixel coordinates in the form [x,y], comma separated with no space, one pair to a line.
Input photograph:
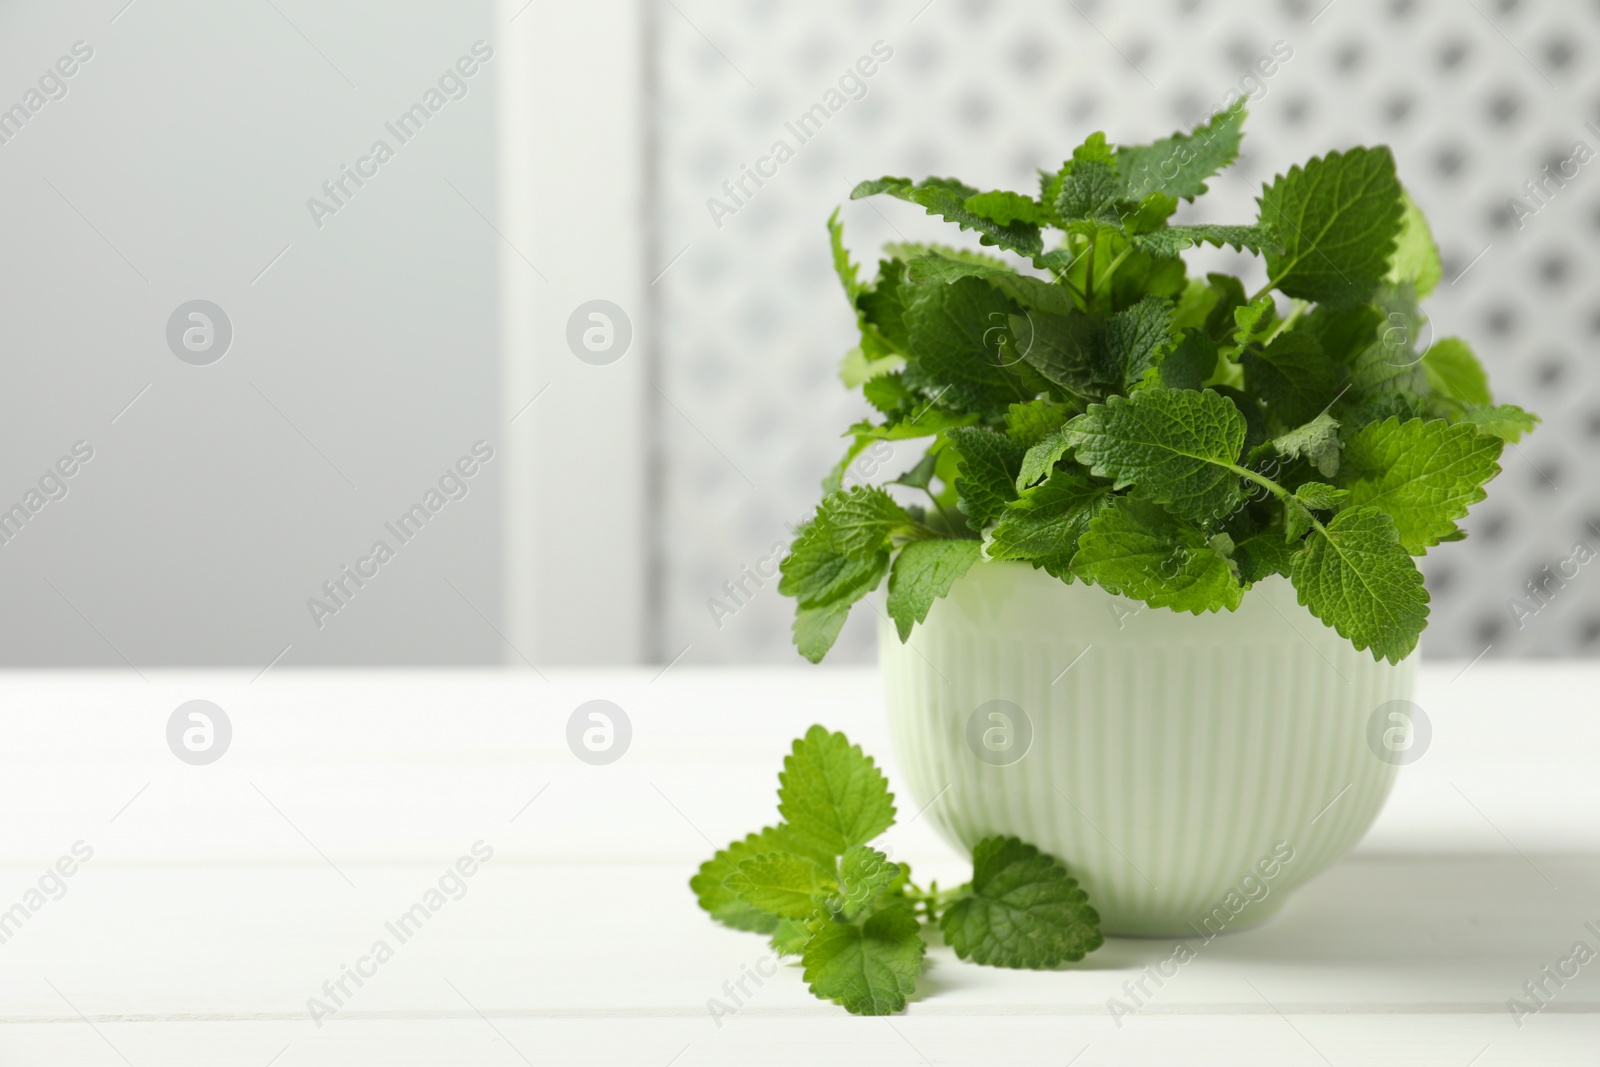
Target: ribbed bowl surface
[1191,771]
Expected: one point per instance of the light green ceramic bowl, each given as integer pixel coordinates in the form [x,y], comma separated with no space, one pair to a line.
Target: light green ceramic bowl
[1190,770]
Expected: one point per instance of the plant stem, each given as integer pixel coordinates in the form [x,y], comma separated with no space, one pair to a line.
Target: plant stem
[943,514]
[1277,490]
[1115,263]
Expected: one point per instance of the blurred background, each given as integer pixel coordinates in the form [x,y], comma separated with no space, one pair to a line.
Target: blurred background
[536,283]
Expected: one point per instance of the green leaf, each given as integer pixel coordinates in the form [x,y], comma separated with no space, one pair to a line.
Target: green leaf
[1317,442]
[869,968]
[1454,372]
[841,258]
[815,574]
[947,198]
[1173,447]
[815,629]
[781,883]
[865,874]
[910,250]
[859,520]
[1293,375]
[1042,458]
[856,369]
[923,572]
[921,475]
[989,466]
[1025,289]
[1416,257]
[1190,363]
[1028,424]
[719,899]
[1006,207]
[1179,165]
[1506,421]
[1321,497]
[1091,191]
[723,904]
[790,936]
[1021,910]
[1263,555]
[1424,474]
[1137,550]
[1059,347]
[1359,579]
[1167,243]
[1130,342]
[1343,333]
[832,796]
[955,332]
[1045,522]
[1254,320]
[1338,218]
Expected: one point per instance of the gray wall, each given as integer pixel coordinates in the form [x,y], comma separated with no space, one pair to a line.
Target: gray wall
[363,362]
[367,358]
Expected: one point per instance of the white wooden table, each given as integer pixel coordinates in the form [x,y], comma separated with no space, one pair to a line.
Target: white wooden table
[220,898]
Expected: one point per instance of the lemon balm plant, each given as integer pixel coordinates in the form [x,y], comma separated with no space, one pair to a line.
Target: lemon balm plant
[1093,410]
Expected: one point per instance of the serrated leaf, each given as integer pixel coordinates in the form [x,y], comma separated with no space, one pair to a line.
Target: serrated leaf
[1263,555]
[815,629]
[1416,258]
[831,795]
[1091,191]
[841,258]
[856,369]
[1046,521]
[1028,424]
[920,476]
[1059,347]
[1454,372]
[1506,421]
[1179,165]
[1190,363]
[1172,447]
[1424,474]
[1316,441]
[1167,243]
[1293,375]
[781,884]
[989,466]
[1359,579]
[923,572]
[947,198]
[1131,342]
[1253,320]
[790,936]
[955,333]
[1006,207]
[1022,909]
[1338,218]
[1137,550]
[859,520]
[1321,497]
[869,968]
[714,895]
[815,574]
[1042,458]
[1025,289]
[865,874]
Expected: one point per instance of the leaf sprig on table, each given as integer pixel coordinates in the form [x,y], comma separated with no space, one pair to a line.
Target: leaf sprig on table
[1092,409]
[815,886]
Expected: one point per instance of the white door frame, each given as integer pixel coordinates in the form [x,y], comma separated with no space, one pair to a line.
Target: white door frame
[572,209]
